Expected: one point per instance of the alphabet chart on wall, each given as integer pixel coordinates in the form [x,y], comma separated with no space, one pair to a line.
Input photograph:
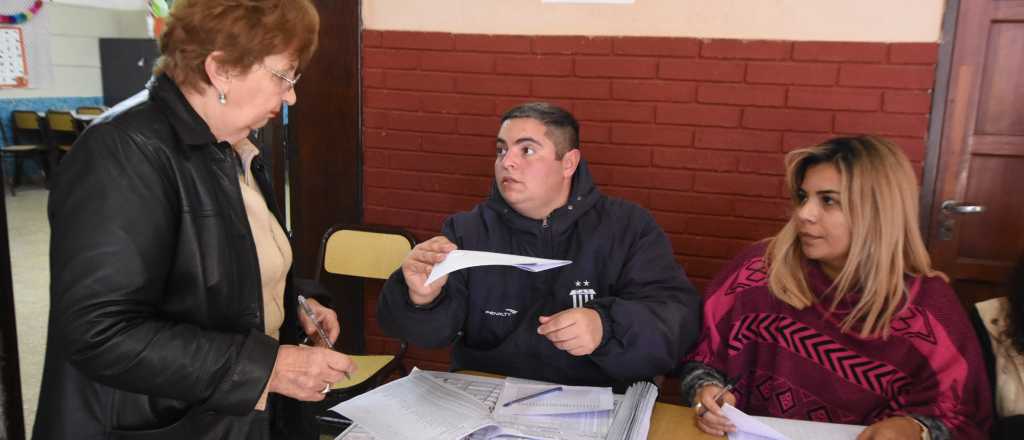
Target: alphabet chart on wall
[13,65]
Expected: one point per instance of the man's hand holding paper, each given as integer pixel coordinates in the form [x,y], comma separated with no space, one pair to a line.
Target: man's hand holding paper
[458,260]
[418,266]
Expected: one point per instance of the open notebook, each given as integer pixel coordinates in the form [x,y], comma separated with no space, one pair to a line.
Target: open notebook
[435,405]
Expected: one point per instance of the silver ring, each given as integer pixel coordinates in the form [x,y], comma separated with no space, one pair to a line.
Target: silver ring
[697,408]
[326,389]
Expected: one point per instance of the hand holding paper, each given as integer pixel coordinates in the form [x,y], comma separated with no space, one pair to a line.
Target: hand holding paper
[459,259]
[418,265]
[710,417]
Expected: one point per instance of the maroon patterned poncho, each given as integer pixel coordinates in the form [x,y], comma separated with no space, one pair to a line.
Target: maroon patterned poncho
[798,364]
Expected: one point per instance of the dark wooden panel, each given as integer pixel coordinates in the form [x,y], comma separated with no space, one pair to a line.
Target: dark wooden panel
[996,234]
[998,145]
[1002,89]
[990,271]
[326,175]
[126,63]
[1009,10]
[12,419]
[971,292]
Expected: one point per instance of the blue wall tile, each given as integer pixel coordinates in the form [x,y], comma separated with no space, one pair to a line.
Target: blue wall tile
[39,105]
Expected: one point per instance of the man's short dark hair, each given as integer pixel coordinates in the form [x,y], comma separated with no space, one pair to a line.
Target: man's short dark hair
[562,128]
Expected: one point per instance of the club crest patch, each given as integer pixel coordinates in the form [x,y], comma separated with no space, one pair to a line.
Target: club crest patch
[582,294]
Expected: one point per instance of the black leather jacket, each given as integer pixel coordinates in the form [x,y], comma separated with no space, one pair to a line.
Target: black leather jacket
[156,326]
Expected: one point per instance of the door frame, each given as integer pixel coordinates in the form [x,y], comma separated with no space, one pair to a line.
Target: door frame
[933,147]
[12,412]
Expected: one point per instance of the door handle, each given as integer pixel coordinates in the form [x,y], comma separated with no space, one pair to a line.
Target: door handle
[955,207]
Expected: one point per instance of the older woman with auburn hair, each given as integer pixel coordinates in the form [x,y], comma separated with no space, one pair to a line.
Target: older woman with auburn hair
[171,312]
[840,316]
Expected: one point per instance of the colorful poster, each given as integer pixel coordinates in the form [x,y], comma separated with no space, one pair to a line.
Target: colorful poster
[13,63]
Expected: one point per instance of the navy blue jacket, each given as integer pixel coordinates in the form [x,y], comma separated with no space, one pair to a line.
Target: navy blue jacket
[622,267]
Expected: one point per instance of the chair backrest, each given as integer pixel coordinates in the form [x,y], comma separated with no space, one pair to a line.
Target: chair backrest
[25,119]
[61,121]
[363,250]
[90,111]
[27,128]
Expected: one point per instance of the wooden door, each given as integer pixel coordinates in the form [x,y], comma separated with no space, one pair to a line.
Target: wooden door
[325,153]
[979,234]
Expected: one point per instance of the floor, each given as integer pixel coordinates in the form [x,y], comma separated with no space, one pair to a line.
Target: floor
[29,235]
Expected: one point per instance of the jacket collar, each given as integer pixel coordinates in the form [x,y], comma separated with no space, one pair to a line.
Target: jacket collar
[583,195]
[191,128]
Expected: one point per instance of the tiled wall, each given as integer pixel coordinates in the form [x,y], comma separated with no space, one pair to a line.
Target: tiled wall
[694,130]
[41,105]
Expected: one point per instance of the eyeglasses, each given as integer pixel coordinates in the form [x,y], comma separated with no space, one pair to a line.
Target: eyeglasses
[288,84]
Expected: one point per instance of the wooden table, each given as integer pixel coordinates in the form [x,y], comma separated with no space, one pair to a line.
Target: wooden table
[675,422]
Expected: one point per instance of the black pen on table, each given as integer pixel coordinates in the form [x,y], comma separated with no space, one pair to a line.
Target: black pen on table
[728,386]
[319,329]
[533,396]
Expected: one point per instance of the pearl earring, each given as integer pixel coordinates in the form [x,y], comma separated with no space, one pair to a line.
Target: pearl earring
[222,98]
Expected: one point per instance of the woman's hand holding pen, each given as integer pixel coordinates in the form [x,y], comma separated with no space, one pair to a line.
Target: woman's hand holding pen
[710,418]
[327,318]
[304,373]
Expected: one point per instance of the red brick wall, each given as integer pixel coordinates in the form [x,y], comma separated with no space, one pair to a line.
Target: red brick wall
[694,130]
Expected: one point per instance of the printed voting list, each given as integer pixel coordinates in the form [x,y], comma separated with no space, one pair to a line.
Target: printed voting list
[447,406]
[460,259]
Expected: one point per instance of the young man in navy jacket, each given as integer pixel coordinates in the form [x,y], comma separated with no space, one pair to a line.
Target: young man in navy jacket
[622,311]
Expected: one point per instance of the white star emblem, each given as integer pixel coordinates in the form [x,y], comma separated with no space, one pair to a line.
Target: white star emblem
[586,283]
[577,284]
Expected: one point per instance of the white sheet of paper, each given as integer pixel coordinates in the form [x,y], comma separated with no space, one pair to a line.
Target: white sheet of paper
[772,428]
[798,429]
[570,400]
[747,427]
[460,259]
[354,432]
[416,407]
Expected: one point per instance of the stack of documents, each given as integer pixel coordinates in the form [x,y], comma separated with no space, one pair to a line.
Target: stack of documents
[435,405]
[771,428]
[635,419]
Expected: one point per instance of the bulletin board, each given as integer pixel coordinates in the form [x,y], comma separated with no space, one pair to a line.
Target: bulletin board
[13,63]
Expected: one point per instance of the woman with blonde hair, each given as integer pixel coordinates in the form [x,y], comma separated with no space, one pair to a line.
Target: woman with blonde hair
[172,311]
[840,317]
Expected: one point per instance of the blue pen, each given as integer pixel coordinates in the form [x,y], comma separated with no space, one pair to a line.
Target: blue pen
[533,396]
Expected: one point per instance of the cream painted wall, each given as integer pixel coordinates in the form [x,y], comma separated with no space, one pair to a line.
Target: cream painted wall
[75,49]
[108,4]
[819,20]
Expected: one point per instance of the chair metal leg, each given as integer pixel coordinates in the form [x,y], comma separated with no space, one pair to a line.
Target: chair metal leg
[17,174]
[44,167]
